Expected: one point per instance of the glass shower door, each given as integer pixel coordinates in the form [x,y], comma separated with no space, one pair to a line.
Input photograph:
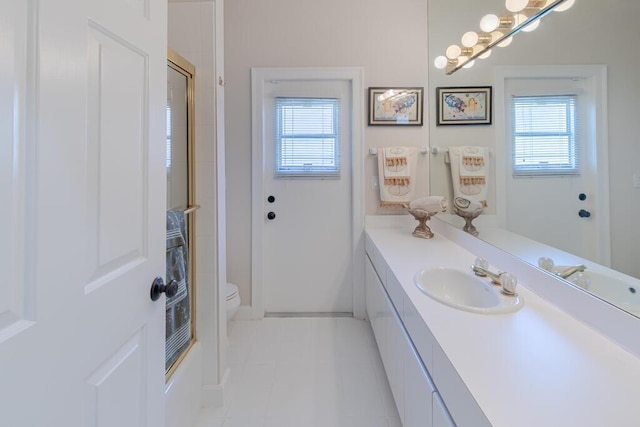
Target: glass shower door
[181,210]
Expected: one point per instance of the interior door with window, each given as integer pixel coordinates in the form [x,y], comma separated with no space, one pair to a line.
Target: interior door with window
[82,110]
[307,206]
[551,174]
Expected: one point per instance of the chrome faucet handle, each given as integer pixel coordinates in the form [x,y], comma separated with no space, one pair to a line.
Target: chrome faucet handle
[483,264]
[509,283]
[546,263]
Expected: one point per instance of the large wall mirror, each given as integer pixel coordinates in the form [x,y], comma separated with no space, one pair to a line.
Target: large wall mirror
[592,32]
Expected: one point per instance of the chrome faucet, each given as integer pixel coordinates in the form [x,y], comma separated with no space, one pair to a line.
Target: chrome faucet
[507,281]
[572,270]
[480,271]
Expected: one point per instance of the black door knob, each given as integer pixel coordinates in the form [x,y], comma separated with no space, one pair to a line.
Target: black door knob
[271,199]
[158,288]
[584,214]
[582,196]
[271,215]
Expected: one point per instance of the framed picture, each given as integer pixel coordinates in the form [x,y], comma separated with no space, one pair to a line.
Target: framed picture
[469,105]
[397,106]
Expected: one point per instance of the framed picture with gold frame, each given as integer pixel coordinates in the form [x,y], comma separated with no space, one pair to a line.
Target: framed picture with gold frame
[395,106]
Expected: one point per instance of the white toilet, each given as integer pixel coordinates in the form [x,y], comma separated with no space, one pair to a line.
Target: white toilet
[233,300]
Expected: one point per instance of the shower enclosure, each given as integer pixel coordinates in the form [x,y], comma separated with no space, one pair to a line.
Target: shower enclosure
[181,209]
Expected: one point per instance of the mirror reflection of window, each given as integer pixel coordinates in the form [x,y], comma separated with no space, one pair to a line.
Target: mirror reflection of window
[177,141]
[544,135]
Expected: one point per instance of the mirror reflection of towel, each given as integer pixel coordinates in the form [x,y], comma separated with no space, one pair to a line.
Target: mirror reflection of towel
[469,167]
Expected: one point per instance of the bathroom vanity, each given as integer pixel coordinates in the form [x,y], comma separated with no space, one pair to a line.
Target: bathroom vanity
[537,366]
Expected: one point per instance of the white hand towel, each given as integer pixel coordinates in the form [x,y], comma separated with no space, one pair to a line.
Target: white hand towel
[471,187]
[473,161]
[430,204]
[396,163]
[397,187]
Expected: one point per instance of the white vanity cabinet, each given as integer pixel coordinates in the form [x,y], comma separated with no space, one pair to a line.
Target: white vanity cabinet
[451,368]
[441,417]
[410,383]
[426,387]
[418,389]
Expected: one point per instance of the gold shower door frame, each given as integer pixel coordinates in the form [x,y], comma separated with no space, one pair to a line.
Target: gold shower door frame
[184,67]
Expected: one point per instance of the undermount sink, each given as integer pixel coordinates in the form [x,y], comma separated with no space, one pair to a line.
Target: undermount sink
[625,293]
[464,291]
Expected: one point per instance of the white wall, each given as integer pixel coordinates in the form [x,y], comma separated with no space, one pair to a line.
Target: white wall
[388,39]
[591,32]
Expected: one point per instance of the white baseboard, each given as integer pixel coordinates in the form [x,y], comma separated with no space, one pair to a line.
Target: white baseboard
[244,313]
[213,395]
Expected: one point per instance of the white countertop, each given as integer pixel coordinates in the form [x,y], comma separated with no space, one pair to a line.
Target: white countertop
[535,367]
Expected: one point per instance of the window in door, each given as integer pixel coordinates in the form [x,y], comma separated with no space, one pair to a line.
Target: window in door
[308,143]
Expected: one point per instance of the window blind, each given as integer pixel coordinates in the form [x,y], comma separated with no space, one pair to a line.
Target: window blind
[308,137]
[545,136]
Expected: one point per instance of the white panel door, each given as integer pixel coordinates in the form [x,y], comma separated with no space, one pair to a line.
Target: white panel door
[82,180]
[550,209]
[307,240]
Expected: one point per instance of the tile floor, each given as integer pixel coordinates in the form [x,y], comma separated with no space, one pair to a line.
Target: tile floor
[304,372]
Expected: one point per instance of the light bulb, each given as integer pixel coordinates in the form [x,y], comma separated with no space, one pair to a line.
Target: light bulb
[469,39]
[564,6]
[506,42]
[453,51]
[469,64]
[516,5]
[488,23]
[530,27]
[440,62]
[485,55]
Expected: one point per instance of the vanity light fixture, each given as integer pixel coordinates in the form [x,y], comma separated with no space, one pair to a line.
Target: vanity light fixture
[498,31]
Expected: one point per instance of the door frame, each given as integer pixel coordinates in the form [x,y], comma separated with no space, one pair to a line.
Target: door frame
[598,75]
[259,77]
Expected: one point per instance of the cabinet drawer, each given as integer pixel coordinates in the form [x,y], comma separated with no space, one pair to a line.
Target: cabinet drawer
[396,294]
[419,333]
[379,264]
[418,406]
[441,417]
[375,308]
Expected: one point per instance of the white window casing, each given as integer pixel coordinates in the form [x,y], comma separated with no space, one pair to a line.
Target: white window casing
[544,134]
[307,137]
